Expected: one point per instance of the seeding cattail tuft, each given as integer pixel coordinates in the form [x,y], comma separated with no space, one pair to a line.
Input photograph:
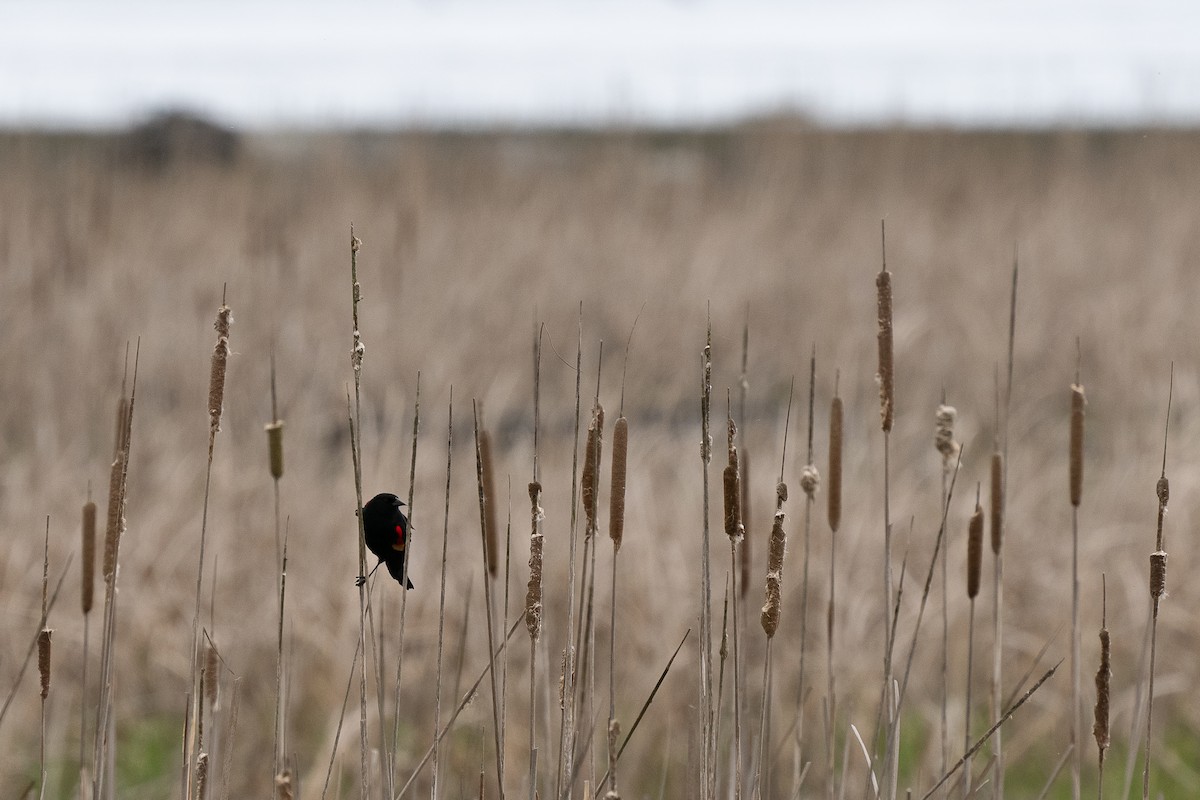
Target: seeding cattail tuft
[220,361]
[283,785]
[997,505]
[43,651]
[974,550]
[616,500]
[943,437]
[810,480]
[210,675]
[533,595]
[887,376]
[88,546]
[1163,490]
[112,531]
[775,552]
[201,774]
[834,511]
[1077,403]
[275,447]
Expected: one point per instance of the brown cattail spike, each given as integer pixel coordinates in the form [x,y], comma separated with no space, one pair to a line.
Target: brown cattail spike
[210,675]
[835,464]
[974,551]
[88,546]
[201,774]
[1103,680]
[1158,575]
[616,500]
[220,361]
[775,552]
[112,531]
[490,537]
[43,650]
[732,485]
[591,466]
[997,509]
[1077,403]
[887,376]
[275,447]
[533,595]
[1163,490]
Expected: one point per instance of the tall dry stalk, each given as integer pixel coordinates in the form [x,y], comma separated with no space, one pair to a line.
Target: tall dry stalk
[487,533]
[771,610]
[887,410]
[1000,487]
[87,589]
[274,430]
[1100,727]
[735,529]
[43,648]
[946,445]
[412,481]
[974,566]
[705,707]
[1076,494]
[810,481]
[437,701]
[616,534]
[1158,583]
[533,594]
[834,516]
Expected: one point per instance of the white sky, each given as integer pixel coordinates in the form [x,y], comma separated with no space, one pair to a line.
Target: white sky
[266,63]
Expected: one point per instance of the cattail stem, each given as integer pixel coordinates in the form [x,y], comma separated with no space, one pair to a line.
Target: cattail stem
[974,564]
[1076,495]
[1100,727]
[834,515]
[1158,583]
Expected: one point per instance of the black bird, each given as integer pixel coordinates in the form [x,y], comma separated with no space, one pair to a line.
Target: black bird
[385,529]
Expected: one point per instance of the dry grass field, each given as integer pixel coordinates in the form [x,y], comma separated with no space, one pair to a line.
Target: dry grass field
[469,242]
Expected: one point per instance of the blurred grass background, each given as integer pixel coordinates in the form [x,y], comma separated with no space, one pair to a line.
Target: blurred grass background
[469,239]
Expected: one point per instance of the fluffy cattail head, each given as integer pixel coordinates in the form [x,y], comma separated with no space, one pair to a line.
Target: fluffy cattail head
[997,504]
[775,552]
[43,650]
[943,437]
[887,376]
[835,464]
[616,500]
[283,785]
[1077,403]
[220,362]
[1163,490]
[974,551]
[88,546]
[201,774]
[810,480]
[210,675]
[275,447]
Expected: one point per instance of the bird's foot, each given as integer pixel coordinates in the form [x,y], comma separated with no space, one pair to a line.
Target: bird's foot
[360,580]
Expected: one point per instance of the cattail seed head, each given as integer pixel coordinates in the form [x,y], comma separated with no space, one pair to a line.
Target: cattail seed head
[43,649]
[776,548]
[835,464]
[1100,727]
[88,546]
[943,437]
[616,500]
[112,531]
[283,785]
[1158,574]
[732,484]
[810,480]
[201,774]
[210,676]
[781,493]
[1163,490]
[220,361]
[275,447]
[997,505]
[887,377]
[974,551]
[1077,403]
[533,594]
[491,536]
[591,466]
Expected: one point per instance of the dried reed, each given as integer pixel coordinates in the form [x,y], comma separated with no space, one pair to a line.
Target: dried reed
[1076,495]
[974,565]
[487,537]
[943,440]
[834,516]
[1100,727]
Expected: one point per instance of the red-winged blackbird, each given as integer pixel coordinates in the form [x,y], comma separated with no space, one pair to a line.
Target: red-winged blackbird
[385,529]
